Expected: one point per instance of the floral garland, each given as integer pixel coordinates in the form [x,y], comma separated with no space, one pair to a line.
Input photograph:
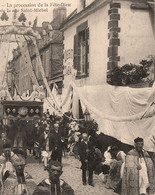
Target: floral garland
[130,73]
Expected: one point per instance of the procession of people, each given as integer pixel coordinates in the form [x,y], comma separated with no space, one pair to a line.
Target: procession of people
[126,173]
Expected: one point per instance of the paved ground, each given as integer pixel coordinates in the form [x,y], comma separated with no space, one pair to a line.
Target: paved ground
[72,175]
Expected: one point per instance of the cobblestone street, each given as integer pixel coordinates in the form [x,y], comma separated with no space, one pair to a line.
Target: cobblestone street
[72,175]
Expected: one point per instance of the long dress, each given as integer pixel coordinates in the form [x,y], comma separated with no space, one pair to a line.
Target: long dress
[114,176]
[116,166]
[131,181]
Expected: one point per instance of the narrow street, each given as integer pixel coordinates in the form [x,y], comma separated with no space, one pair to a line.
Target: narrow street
[72,175]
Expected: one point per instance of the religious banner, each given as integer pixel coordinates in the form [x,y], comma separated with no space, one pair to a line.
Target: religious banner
[26,58]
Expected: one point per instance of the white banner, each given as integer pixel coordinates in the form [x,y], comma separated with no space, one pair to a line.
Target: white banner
[26,58]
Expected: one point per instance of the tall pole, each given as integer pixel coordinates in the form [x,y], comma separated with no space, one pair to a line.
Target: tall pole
[87,118]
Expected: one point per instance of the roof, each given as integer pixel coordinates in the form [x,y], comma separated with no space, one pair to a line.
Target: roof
[94,6]
[74,16]
[69,17]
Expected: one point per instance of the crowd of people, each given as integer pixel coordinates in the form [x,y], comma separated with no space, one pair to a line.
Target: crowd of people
[13,178]
[127,173]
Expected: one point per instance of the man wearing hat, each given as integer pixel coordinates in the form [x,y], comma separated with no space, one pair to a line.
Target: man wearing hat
[18,182]
[139,172]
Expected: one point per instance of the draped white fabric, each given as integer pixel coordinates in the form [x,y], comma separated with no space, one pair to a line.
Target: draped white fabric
[4,53]
[124,103]
[117,110]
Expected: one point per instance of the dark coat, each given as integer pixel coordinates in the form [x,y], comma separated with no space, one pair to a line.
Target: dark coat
[57,137]
[42,142]
[86,152]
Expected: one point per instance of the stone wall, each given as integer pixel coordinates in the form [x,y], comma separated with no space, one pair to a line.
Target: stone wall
[131,35]
[113,36]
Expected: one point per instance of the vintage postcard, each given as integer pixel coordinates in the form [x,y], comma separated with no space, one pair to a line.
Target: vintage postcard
[77,97]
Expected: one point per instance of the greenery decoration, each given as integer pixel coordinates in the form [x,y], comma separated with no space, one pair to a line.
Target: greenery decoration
[4,16]
[130,73]
[90,127]
[22,17]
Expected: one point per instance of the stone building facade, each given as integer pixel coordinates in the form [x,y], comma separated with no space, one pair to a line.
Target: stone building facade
[106,34]
[103,34]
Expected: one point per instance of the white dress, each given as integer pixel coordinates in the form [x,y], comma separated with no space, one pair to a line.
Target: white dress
[143,177]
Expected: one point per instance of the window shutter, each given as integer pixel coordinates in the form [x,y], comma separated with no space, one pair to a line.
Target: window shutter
[75,61]
[87,51]
[79,56]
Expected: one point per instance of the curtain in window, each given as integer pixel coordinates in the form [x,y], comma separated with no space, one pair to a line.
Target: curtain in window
[81,50]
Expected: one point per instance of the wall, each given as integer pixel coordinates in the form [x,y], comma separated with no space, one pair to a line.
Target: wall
[98,44]
[135,41]
[136,36]
[56,60]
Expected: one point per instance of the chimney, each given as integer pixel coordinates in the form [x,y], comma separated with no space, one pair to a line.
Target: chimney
[59,15]
[80,5]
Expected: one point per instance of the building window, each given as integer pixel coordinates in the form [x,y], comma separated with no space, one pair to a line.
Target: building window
[81,50]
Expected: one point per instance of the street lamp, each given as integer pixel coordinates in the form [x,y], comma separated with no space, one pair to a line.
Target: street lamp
[86,115]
